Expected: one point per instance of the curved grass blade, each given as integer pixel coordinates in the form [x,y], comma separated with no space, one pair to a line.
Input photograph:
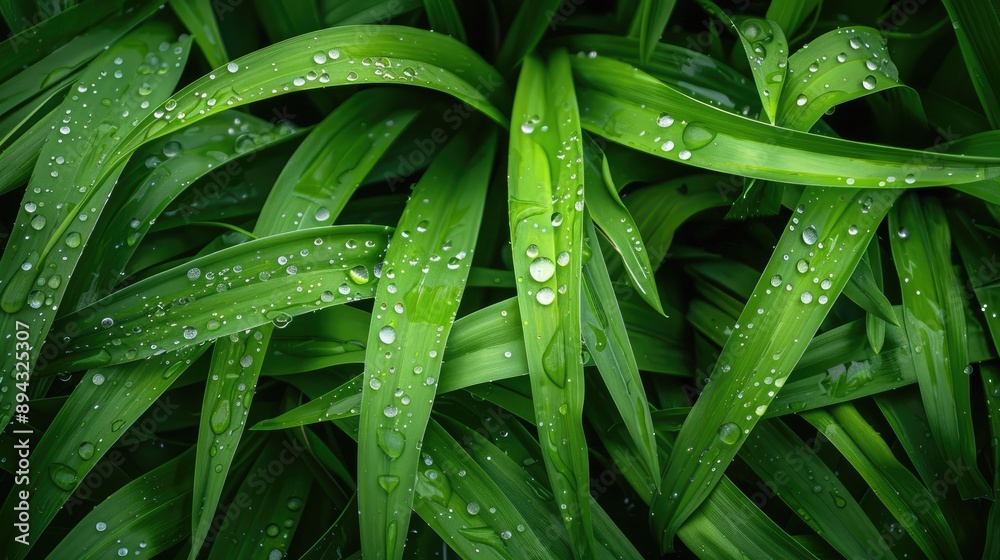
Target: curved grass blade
[333,57]
[20,157]
[812,262]
[864,291]
[660,209]
[526,31]
[366,11]
[264,524]
[72,56]
[692,73]
[732,526]
[29,46]
[767,50]
[840,366]
[136,518]
[655,15]
[631,108]
[616,223]
[484,346]
[188,307]
[608,342]
[811,489]
[444,18]
[934,319]
[74,178]
[345,146]
[157,175]
[790,14]
[876,325]
[545,174]
[838,66]
[504,461]
[447,494]
[199,17]
[977,26]
[97,414]
[991,386]
[425,269]
[910,503]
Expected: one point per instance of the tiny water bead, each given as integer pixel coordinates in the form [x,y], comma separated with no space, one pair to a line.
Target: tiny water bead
[664,120]
[776,280]
[869,83]
[903,233]
[806,297]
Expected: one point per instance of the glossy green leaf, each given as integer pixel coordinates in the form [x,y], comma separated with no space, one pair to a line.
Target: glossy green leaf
[546,202]
[49,233]
[933,315]
[423,278]
[911,503]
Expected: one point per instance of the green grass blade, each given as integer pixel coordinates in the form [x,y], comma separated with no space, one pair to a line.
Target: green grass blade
[366,11]
[811,489]
[191,308]
[790,14]
[934,318]
[766,48]
[911,503]
[156,176]
[136,518]
[730,525]
[27,47]
[345,146]
[385,54]
[876,325]
[444,18]
[864,291]
[199,18]
[693,73]
[607,340]
[977,28]
[617,225]
[425,269]
[810,266]
[544,191]
[274,500]
[631,108]
[229,391]
[839,366]
[991,386]
[97,414]
[19,158]
[838,66]
[655,15]
[527,29]
[48,236]
[76,54]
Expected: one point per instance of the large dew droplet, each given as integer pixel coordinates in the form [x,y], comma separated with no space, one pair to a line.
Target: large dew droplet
[541,269]
[545,296]
[809,235]
[387,334]
[729,433]
[696,135]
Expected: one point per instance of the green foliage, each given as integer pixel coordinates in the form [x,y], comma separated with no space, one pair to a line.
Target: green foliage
[577,294]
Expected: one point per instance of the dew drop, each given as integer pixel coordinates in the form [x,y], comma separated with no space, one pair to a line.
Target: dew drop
[809,235]
[387,334]
[729,433]
[541,269]
[545,296]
